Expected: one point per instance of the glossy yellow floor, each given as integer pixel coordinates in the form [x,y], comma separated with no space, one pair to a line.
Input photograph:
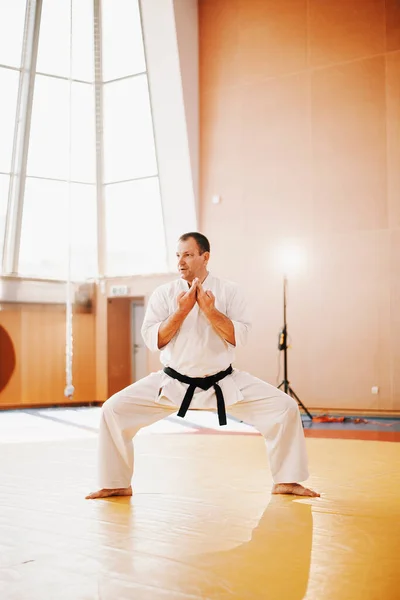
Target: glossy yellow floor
[202,523]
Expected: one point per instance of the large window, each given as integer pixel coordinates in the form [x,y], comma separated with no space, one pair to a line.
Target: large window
[57,225]
[12,18]
[8,103]
[85,131]
[4,183]
[135,233]
[123,50]
[134,224]
[54,46]
[129,151]
[49,141]
[62,146]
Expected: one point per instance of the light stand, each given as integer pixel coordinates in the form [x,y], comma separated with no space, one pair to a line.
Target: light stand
[283,347]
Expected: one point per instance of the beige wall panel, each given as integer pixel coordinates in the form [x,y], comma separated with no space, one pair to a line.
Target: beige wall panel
[306,153]
[345,30]
[349,146]
[272,38]
[392,25]
[393,136]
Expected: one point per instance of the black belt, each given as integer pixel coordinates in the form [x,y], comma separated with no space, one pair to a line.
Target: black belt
[204,383]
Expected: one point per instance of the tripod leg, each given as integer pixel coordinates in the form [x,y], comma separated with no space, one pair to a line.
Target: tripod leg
[281,384]
[292,393]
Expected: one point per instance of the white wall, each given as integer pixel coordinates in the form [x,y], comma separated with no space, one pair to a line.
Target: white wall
[169,103]
[187,31]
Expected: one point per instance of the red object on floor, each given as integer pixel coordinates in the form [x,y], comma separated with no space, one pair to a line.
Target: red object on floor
[328,419]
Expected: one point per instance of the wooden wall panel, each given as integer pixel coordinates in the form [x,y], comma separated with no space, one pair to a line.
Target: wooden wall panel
[345,30]
[392,76]
[101,358]
[38,334]
[349,179]
[119,344]
[84,359]
[42,355]
[392,25]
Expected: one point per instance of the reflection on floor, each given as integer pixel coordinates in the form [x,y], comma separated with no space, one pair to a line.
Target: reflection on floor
[202,523]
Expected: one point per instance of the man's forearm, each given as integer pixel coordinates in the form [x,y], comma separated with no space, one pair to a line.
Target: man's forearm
[170,326]
[222,325]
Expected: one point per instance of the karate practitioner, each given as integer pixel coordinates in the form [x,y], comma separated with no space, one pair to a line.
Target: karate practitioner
[197,321]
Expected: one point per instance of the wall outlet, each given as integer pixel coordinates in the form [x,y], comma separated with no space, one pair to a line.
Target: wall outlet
[374,389]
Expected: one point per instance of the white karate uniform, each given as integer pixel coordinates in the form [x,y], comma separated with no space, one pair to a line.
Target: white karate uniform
[197,351]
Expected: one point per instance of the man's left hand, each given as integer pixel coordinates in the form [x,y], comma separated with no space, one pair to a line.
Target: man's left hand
[205,299]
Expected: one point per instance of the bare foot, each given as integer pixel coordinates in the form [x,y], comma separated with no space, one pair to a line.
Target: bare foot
[106,493]
[295,489]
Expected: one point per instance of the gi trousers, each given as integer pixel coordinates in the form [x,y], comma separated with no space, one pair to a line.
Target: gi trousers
[272,412]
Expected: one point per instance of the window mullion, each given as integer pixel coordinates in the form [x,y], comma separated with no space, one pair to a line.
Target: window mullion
[98,74]
[21,138]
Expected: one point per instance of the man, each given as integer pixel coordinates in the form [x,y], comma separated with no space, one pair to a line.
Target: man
[196,322]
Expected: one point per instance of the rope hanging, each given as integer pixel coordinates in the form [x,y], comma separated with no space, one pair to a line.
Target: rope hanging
[69,388]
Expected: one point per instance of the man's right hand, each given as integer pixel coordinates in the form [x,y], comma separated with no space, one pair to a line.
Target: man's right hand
[186,300]
[169,327]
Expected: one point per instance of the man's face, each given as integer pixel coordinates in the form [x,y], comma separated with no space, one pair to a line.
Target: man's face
[191,263]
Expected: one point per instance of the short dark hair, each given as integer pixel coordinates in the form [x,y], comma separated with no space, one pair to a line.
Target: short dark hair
[202,242]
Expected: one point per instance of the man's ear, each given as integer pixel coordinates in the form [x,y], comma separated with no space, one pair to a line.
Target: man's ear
[206,257]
